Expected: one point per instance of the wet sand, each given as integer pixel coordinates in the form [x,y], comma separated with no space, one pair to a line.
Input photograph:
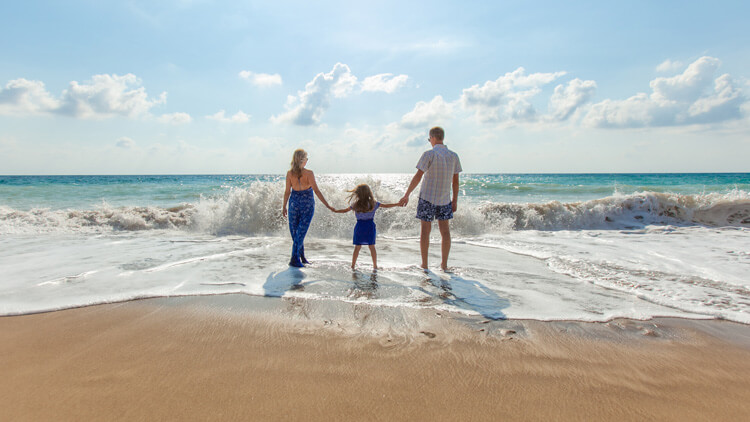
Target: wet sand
[249,358]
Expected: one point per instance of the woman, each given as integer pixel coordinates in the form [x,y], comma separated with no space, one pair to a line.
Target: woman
[300,185]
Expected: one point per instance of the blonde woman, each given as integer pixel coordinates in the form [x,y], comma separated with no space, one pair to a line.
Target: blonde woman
[300,185]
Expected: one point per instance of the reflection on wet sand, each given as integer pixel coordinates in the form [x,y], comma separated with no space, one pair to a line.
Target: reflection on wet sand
[467,294]
[365,285]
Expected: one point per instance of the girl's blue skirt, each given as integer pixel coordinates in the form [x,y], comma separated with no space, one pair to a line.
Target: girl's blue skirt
[364,232]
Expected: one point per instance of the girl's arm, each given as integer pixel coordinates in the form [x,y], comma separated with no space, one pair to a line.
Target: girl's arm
[317,191]
[389,205]
[287,192]
[342,210]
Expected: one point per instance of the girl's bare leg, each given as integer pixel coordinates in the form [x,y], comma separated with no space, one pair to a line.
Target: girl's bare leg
[355,255]
[374,257]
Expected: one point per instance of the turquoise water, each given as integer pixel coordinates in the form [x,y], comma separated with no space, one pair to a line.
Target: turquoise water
[583,187]
[84,192]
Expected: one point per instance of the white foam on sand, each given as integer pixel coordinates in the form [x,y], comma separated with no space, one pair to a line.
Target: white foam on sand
[525,275]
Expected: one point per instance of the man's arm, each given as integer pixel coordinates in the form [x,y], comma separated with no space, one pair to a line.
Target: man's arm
[454,202]
[413,185]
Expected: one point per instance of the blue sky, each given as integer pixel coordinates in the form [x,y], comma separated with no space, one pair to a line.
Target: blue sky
[132,87]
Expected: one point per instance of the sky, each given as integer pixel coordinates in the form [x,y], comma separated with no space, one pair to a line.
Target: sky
[234,87]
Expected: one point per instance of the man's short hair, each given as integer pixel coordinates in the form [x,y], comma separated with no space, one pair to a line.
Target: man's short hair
[438,133]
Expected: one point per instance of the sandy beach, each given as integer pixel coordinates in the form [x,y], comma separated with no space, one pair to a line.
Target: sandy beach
[238,357]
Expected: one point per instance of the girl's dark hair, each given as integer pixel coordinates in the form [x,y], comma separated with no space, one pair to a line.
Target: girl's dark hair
[361,198]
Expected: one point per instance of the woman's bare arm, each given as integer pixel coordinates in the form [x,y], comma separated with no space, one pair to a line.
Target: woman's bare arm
[317,191]
[287,192]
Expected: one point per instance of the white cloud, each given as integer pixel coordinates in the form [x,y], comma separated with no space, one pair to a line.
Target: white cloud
[101,97]
[508,98]
[636,111]
[108,96]
[688,85]
[428,113]
[669,66]
[175,118]
[566,100]
[417,140]
[384,82]
[125,143]
[238,117]
[691,97]
[726,102]
[261,79]
[308,106]
[21,96]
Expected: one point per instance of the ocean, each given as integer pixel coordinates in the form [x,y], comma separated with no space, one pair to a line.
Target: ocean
[587,247]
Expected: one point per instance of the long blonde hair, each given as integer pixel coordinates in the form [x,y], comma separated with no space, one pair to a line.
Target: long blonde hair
[362,199]
[297,158]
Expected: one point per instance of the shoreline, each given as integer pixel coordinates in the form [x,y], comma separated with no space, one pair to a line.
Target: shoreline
[238,357]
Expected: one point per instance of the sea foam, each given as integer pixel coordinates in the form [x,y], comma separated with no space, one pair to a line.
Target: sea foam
[256,210]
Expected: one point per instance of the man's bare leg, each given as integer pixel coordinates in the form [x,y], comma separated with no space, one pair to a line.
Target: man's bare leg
[445,246]
[424,241]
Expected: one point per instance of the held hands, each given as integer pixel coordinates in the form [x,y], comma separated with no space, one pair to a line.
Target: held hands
[401,203]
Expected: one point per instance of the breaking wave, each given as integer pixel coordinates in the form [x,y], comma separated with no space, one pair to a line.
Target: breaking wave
[256,210]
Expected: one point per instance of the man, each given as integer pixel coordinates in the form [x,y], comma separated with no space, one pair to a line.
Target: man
[440,167]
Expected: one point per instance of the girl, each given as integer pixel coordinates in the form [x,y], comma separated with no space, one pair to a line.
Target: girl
[364,207]
[300,185]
